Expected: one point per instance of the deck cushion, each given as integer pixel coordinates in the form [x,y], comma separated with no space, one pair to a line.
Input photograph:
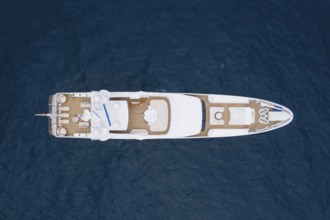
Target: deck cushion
[240,116]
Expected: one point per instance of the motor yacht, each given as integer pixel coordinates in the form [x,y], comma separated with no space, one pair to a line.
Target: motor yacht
[103,115]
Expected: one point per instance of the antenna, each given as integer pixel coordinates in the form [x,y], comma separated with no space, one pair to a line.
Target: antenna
[43,115]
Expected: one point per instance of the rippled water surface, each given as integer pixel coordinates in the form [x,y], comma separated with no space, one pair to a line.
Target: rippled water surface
[275,50]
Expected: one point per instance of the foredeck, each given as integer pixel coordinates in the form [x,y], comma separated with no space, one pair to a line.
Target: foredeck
[226,116]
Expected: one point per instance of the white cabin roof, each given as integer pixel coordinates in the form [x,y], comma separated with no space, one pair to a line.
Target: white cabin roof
[186,116]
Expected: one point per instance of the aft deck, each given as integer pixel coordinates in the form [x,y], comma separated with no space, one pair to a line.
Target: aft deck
[68,115]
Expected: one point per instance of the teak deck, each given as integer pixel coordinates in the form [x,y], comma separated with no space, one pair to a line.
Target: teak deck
[226,116]
[74,104]
[136,108]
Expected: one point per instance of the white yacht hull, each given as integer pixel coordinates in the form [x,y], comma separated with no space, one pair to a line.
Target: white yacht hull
[103,115]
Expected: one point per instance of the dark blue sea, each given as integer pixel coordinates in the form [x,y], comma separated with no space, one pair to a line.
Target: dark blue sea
[278,50]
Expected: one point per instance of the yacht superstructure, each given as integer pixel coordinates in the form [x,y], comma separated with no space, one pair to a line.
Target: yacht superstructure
[103,115]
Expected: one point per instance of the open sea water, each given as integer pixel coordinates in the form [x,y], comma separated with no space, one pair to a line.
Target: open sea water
[277,50]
